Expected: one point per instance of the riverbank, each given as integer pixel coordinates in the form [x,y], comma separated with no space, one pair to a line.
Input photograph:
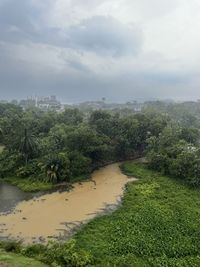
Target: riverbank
[56,215]
[29,184]
[156,225]
[33,184]
[36,185]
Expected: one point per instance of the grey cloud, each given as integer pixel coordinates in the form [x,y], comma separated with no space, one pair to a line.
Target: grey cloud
[75,64]
[20,22]
[105,35]
[17,20]
[18,79]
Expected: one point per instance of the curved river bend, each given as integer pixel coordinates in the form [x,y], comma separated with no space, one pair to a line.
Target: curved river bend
[58,214]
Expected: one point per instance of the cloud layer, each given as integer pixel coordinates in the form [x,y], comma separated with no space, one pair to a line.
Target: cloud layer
[80,50]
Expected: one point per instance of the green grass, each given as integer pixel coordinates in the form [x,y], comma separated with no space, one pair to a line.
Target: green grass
[29,184]
[17,260]
[34,185]
[157,225]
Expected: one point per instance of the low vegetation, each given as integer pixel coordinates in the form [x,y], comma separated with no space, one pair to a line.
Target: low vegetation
[53,254]
[1,148]
[29,184]
[157,224]
[176,152]
[17,260]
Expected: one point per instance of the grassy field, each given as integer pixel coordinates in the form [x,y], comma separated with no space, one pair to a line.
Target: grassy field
[157,225]
[16,260]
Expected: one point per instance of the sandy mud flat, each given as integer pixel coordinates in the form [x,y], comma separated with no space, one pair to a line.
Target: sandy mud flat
[58,214]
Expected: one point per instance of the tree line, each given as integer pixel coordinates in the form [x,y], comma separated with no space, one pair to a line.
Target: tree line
[66,146]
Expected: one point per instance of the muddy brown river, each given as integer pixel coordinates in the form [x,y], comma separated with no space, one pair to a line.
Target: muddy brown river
[57,215]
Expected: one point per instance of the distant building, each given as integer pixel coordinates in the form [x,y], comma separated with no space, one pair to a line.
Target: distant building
[44,103]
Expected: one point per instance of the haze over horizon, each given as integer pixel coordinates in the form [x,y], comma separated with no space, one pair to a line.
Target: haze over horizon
[85,50]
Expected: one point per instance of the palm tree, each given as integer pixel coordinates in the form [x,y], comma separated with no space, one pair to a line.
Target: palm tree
[28,146]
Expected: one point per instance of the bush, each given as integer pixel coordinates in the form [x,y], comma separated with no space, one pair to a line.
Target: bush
[8,163]
[79,164]
[32,169]
[11,246]
[66,255]
[34,251]
[55,254]
[180,159]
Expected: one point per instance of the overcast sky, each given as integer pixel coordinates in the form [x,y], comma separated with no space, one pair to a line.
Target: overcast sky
[88,49]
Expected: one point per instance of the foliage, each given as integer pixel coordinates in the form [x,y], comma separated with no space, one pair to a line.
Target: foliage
[1,148]
[156,225]
[30,184]
[79,164]
[66,254]
[71,117]
[172,154]
[28,146]
[57,168]
[11,246]
[9,162]
[62,147]
[12,259]
[54,254]
[28,170]
[34,251]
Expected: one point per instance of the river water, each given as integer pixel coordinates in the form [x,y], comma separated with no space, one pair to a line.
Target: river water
[10,196]
[58,214]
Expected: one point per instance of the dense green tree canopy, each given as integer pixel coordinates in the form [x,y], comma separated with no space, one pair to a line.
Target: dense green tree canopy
[62,146]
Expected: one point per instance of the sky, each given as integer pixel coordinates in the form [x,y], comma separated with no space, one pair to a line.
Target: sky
[82,50]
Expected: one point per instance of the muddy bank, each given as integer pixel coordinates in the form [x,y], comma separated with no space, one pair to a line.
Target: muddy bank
[57,214]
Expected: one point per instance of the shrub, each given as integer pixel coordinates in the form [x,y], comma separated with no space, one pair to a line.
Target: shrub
[66,255]
[8,163]
[28,170]
[34,251]
[11,246]
[79,164]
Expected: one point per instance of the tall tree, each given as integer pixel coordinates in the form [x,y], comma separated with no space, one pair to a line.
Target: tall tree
[28,146]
